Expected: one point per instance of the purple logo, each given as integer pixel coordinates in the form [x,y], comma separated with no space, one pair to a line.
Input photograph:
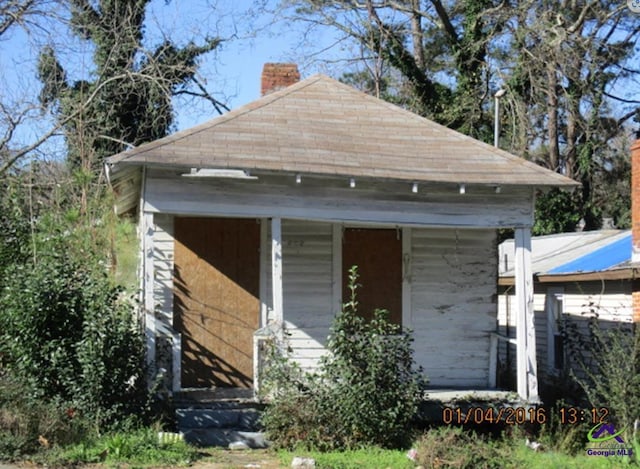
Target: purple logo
[596,433]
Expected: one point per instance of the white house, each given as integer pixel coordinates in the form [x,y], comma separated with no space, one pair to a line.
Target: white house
[254,217]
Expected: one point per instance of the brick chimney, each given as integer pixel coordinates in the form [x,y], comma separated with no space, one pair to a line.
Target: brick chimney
[278,76]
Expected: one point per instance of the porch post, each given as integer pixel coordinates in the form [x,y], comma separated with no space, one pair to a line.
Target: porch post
[336,267]
[276,269]
[264,263]
[525,326]
[147,292]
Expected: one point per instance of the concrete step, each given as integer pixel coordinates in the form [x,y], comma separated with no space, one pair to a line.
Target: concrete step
[204,396]
[239,418]
[224,438]
[224,417]
[224,404]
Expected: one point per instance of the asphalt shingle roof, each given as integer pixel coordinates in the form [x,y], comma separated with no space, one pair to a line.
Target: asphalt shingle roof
[321,126]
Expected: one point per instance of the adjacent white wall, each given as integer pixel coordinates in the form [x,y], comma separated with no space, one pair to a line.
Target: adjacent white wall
[307,284]
[453,299]
[610,300]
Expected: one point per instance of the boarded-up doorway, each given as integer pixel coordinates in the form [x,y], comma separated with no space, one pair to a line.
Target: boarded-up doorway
[216,302]
[378,255]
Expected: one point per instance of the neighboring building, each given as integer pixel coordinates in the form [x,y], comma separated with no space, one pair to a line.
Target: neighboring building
[251,221]
[578,277]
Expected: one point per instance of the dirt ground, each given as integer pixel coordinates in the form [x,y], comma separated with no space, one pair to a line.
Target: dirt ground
[226,459]
[211,459]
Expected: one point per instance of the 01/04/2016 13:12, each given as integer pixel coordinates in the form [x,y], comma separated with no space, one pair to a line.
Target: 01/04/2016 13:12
[522,415]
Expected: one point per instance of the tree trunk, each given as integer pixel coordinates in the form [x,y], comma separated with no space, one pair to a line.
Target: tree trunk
[416,32]
[552,117]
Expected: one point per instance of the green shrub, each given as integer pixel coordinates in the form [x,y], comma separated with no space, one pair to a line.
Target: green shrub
[609,370]
[28,423]
[366,383]
[66,332]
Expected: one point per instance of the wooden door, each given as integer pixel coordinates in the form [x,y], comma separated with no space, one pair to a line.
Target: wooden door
[378,255]
[216,301]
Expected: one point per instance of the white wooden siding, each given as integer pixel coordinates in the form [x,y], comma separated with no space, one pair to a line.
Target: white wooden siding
[610,307]
[163,244]
[323,199]
[163,250]
[453,297]
[307,285]
[453,282]
[579,303]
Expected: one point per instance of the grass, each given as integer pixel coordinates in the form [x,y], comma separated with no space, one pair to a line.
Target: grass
[524,457]
[512,458]
[371,458]
[136,449]
[444,447]
[449,447]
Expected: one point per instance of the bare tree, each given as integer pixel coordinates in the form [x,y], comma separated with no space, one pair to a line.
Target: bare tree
[568,68]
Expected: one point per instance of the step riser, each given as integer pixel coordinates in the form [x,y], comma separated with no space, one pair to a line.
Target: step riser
[240,419]
[223,438]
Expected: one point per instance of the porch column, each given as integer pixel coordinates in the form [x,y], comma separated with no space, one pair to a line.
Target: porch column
[276,269]
[525,326]
[147,292]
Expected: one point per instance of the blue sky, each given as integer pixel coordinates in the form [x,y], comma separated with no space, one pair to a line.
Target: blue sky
[252,36]
[252,33]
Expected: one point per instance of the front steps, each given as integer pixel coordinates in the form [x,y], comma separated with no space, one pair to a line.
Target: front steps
[224,417]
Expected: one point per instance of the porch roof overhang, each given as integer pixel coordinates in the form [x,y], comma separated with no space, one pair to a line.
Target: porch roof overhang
[320,127]
[575,257]
[624,273]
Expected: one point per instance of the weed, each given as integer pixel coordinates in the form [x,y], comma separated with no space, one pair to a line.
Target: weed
[139,447]
[456,448]
[370,457]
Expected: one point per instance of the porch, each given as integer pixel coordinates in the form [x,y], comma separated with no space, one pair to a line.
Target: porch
[300,289]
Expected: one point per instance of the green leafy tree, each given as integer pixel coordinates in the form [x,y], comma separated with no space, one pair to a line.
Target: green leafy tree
[128,99]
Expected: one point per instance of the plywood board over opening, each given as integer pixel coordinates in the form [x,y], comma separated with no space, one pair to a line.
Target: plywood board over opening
[217,306]
[378,255]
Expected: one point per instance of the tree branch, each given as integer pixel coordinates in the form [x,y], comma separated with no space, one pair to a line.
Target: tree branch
[622,100]
[18,154]
[8,17]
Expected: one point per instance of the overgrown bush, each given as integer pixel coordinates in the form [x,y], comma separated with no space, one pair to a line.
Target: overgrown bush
[28,423]
[366,392]
[609,369]
[66,332]
[456,448]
